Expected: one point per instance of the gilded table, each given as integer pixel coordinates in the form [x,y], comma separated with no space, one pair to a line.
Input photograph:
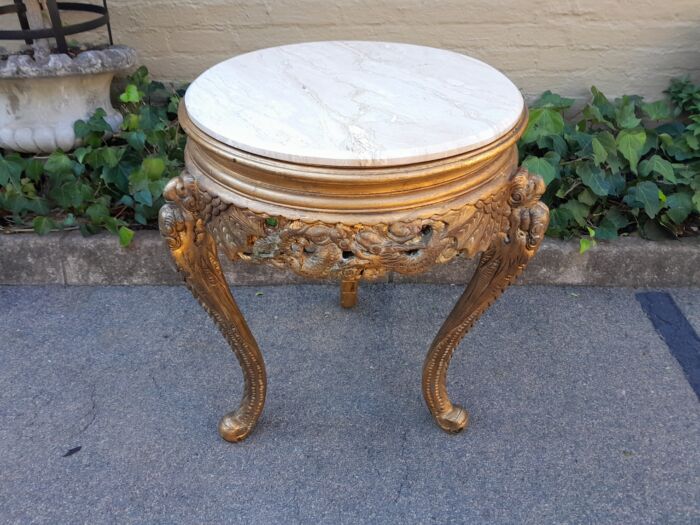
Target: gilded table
[350,160]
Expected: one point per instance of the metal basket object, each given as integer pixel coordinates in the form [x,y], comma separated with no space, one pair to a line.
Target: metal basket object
[57,31]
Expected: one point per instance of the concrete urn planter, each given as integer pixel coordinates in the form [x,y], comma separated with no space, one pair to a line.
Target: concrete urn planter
[41,100]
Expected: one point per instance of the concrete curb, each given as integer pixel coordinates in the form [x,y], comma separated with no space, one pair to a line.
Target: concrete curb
[70,259]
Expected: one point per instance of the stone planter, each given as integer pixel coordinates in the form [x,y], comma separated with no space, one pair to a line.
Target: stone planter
[41,100]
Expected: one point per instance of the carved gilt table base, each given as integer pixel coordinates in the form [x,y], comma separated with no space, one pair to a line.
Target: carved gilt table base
[348,160]
[475,203]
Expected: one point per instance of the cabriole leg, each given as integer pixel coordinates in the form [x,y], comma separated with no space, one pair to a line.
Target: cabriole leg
[183,223]
[499,266]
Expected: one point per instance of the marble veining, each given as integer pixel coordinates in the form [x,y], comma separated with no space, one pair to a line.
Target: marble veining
[352,103]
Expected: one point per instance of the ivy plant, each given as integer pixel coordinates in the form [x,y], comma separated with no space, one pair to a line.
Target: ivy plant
[618,166]
[611,167]
[113,181]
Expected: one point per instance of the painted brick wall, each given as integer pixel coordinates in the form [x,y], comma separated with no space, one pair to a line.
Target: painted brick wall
[622,46]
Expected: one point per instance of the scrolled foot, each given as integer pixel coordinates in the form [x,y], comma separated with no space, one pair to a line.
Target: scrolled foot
[234,428]
[454,420]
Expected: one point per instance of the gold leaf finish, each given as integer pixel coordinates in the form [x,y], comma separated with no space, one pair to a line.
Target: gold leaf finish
[350,224]
[183,224]
[503,261]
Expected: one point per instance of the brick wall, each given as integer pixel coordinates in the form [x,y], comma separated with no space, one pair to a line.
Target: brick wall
[622,46]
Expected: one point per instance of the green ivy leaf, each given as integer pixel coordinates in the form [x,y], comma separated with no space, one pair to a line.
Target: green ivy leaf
[613,221]
[645,195]
[651,142]
[694,126]
[583,142]
[654,231]
[673,129]
[541,167]
[94,129]
[80,154]
[68,192]
[119,175]
[657,164]
[553,101]
[131,95]
[600,101]
[145,213]
[140,217]
[696,200]
[127,201]
[10,171]
[680,205]
[136,139]
[58,163]
[34,169]
[625,114]
[558,223]
[81,129]
[69,220]
[607,140]
[153,167]
[131,122]
[43,225]
[688,174]
[601,182]
[112,224]
[630,143]
[615,217]
[17,204]
[555,143]
[138,181]
[659,110]
[140,76]
[543,122]
[97,213]
[594,115]
[152,118]
[579,211]
[600,154]
[156,187]
[112,156]
[594,178]
[676,147]
[174,104]
[125,236]
[144,197]
[587,197]
[79,169]
[585,244]
[107,156]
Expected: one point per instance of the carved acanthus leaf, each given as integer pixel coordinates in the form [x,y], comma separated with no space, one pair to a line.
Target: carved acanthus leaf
[318,250]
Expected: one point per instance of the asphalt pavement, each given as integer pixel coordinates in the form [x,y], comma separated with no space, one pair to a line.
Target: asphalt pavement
[581,400]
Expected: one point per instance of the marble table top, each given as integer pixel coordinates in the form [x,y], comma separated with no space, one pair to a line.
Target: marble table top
[352,103]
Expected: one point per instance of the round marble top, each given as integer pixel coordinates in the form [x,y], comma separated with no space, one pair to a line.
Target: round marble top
[352,103]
